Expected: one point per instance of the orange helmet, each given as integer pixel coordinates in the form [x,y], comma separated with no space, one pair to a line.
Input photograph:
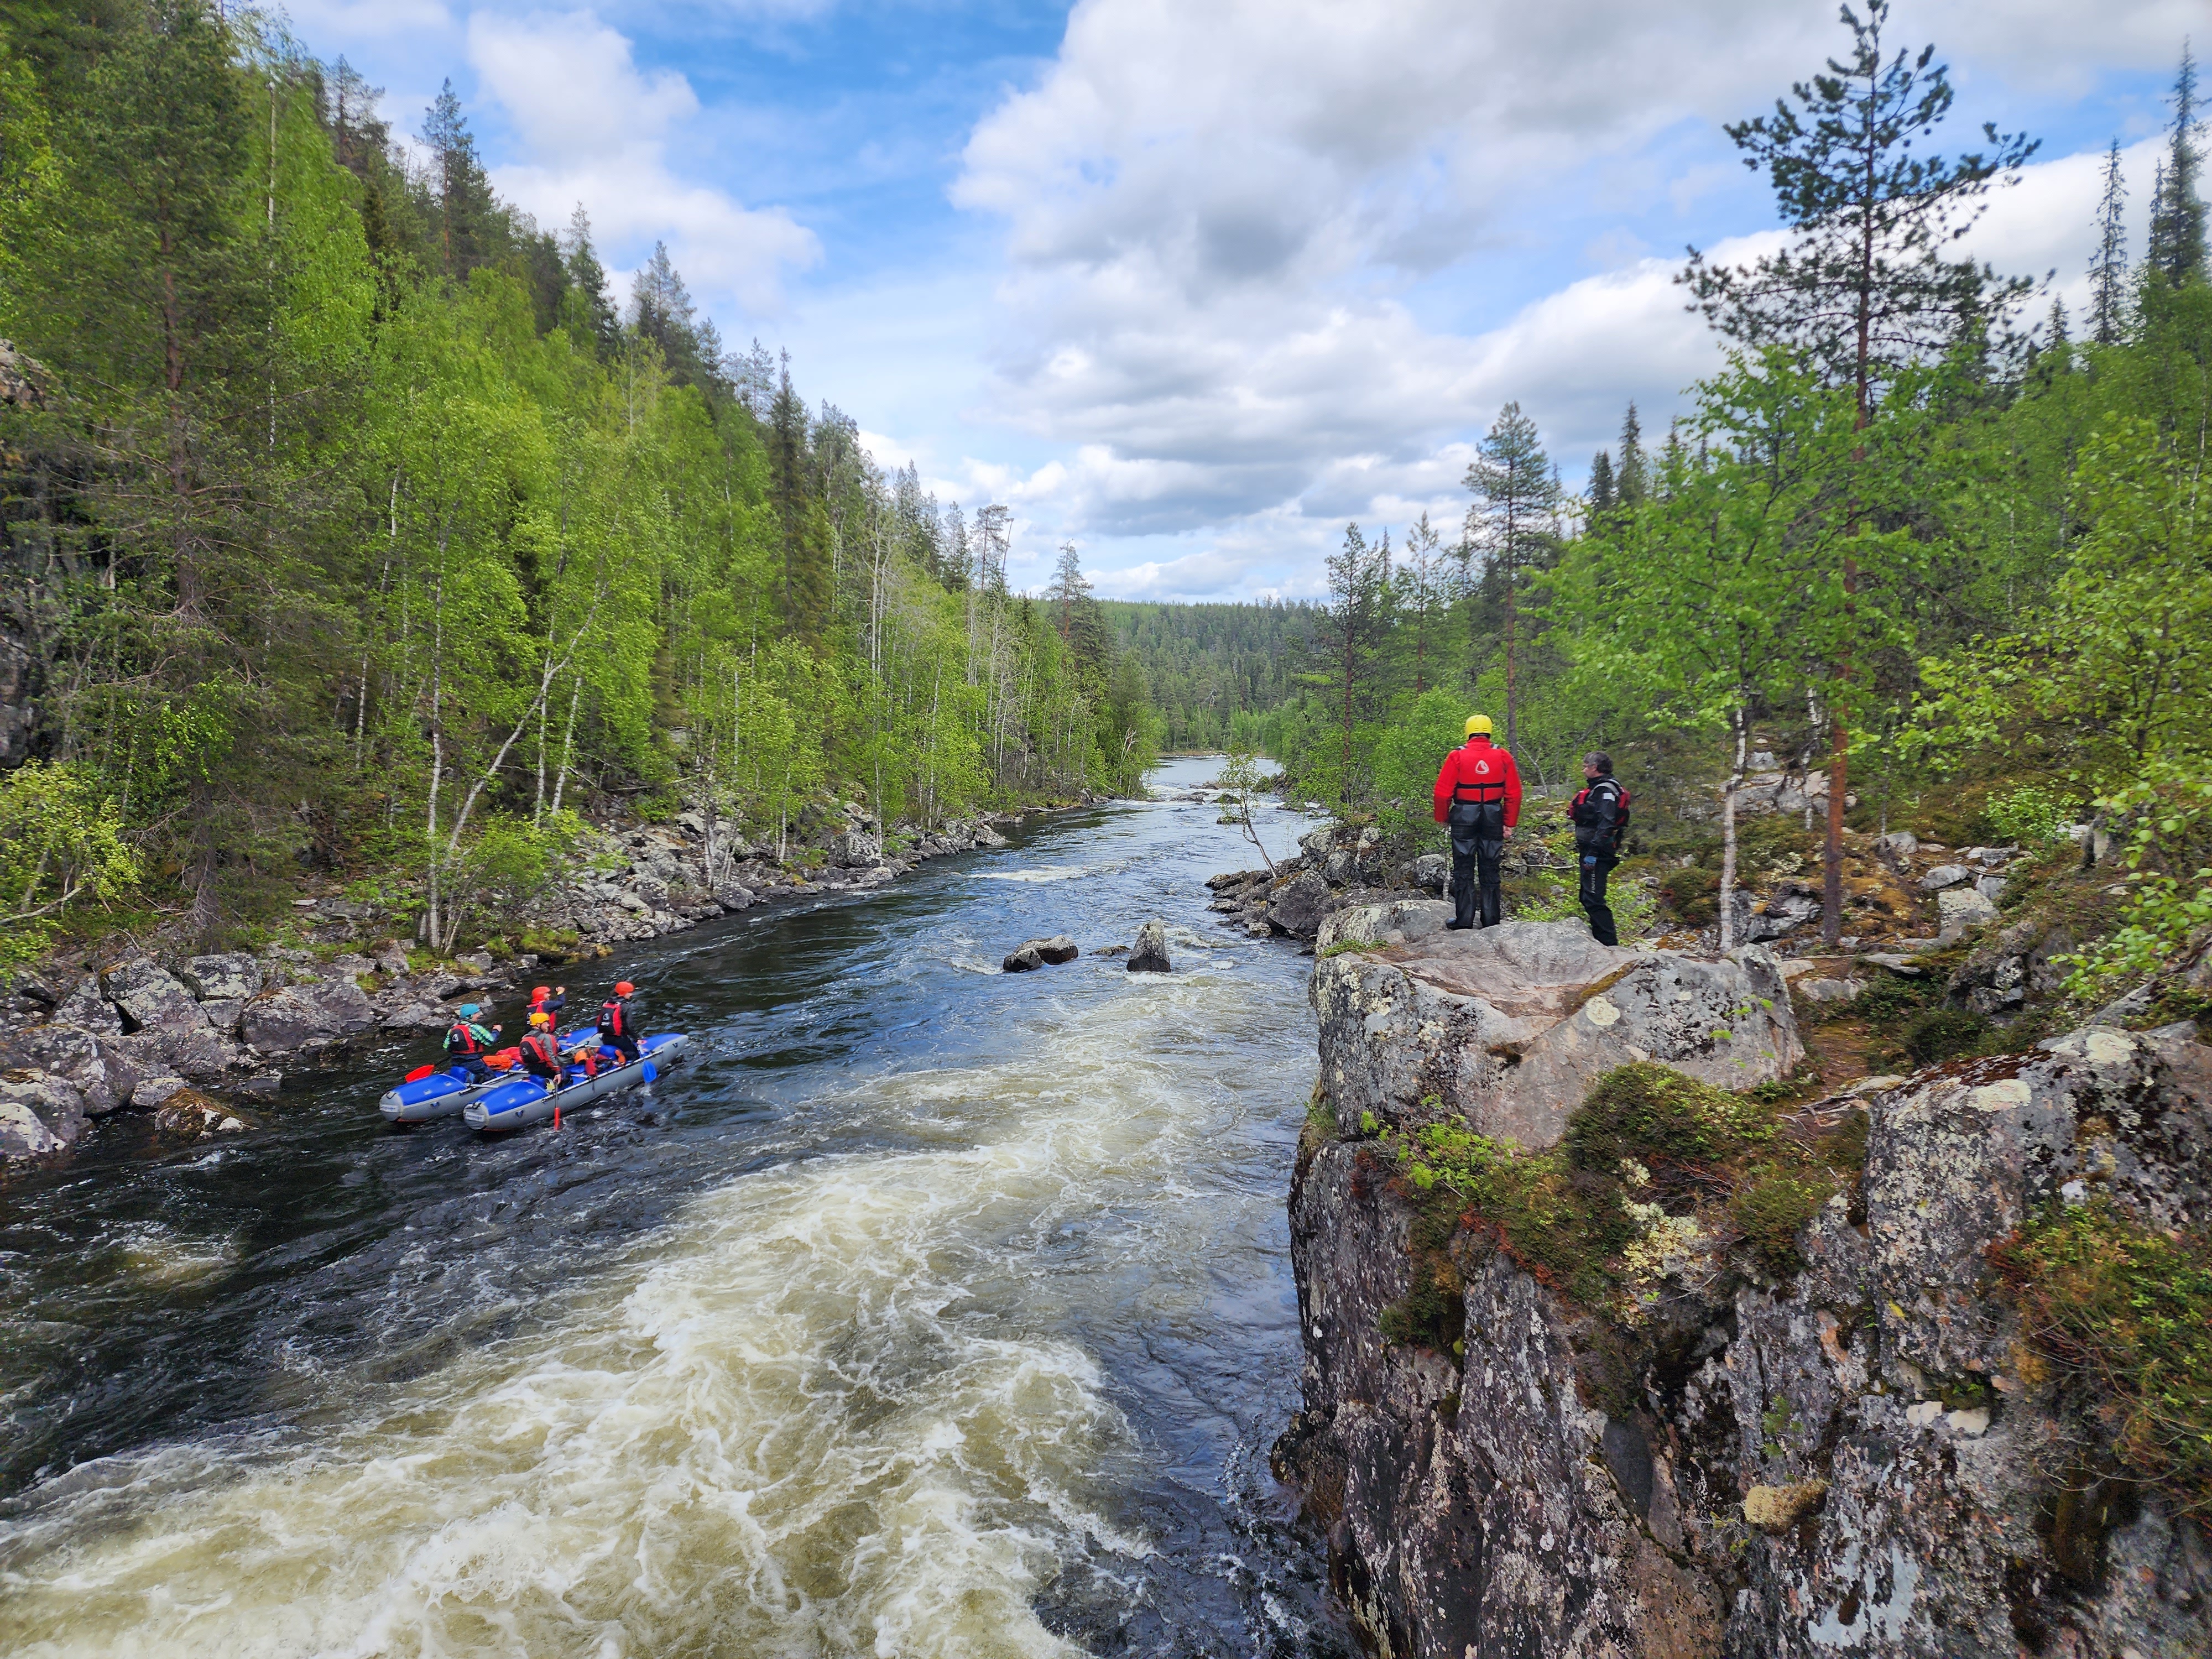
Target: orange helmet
[625,989]
[544,1020]
[539,992]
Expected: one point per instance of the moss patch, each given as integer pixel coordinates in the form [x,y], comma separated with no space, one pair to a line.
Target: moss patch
[2118,1310]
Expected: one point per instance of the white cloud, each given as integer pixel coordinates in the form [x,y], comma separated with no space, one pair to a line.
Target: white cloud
[596,129]
[1227,227]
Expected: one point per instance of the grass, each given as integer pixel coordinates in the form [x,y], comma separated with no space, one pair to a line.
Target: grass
[2118,1311]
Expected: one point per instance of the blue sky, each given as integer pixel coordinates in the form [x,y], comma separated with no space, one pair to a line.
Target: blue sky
[1193,284]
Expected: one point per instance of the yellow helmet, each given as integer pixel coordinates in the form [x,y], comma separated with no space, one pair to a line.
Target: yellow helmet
[1478,723]
[544,1021]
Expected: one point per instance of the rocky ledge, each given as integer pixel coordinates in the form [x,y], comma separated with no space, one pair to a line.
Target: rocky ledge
[1336,867]
[1645,1367]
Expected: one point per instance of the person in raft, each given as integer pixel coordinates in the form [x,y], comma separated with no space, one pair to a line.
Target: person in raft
[552,1000]
[466,1042]
[541,1058]
[1478,796]
[617,1029]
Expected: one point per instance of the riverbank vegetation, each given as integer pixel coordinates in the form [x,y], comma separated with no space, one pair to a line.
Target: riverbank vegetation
[348,523]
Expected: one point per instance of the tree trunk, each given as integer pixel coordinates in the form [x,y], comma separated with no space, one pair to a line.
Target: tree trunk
[1728,835]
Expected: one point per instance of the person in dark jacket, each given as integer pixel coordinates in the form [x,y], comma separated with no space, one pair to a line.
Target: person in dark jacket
[1601,820]
[616,1030]
[1478,795]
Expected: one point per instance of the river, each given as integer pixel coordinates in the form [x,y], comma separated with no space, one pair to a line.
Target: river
[924,1311]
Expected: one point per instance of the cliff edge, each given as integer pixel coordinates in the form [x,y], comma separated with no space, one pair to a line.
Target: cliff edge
[1605,1355]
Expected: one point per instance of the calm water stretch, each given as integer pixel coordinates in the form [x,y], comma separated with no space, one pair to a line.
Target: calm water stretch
[925,1310]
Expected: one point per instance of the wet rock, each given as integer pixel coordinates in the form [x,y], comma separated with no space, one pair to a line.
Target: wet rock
[1149,955]
[40,1113]
[1036,953]
[1507,1027]
[233,976]
[733,898]
[189,1116]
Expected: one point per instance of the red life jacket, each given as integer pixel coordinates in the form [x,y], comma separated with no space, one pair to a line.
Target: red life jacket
[540,1044]
[614,1020]
[462,1039]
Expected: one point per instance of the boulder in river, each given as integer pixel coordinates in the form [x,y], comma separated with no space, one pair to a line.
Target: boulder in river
[1299,904]
[1150,953]
[1034,953]
[188,1115]
[101,1071]
[299,1016]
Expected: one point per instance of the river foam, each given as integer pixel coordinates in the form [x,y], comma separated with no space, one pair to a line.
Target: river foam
[835,1406]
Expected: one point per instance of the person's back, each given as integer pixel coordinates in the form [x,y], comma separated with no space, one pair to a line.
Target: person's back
[466,1042]
[1478,796]
[541,1058]
[615,1027]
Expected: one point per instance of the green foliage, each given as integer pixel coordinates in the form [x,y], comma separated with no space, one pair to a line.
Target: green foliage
[2118,1309]
[2167,812]
[61,842]
[2026,816]
[1662,1119]
[1693,895]
[1770,1207]
[1941,1034]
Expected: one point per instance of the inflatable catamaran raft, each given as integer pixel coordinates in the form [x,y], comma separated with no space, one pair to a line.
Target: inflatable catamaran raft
[516,1102]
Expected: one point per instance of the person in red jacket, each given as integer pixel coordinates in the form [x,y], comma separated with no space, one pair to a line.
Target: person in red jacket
[1479,797]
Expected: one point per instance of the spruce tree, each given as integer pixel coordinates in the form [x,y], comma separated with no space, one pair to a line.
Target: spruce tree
[586,310]
[2176,252]
[1604,497]
[468,218]
[1353,632]
[1634,473]
[2108,272]
[1513,523]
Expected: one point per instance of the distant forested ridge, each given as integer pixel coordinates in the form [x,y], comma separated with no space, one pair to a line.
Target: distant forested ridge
[1215,671]
[347,521]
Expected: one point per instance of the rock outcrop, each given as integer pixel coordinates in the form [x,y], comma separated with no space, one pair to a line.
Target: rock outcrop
[1507,1027]
[1857,1454]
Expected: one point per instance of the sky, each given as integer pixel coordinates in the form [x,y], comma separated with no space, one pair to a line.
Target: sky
[1193,284]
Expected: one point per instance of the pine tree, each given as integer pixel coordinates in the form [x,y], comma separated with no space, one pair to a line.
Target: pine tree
[2177,251]
[2108,272]
[1513,522]
[1866,289]
[1353,634]
[1069,586]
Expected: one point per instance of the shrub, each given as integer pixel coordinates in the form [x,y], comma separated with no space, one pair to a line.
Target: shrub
[2026,816]
[1693,895]
[1770,1205]
[1942,1034]
[1662,1119]
[2119,1310]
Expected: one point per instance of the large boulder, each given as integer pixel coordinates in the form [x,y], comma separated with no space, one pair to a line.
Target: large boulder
[855,850]
[151,998]
[1509,1026]
[101,1068]
[188,1115]
[307,1015]
[87,1009]
[232,976]
[1150,953]
[1298,907]
[39,1112]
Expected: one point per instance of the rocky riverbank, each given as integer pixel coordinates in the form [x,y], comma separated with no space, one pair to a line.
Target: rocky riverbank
[205,1041]
[1654,1369]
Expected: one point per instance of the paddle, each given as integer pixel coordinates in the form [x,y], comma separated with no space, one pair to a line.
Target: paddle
[418,1074]
[648,1074]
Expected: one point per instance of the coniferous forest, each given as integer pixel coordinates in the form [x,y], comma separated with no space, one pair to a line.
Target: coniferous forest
[350,522]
